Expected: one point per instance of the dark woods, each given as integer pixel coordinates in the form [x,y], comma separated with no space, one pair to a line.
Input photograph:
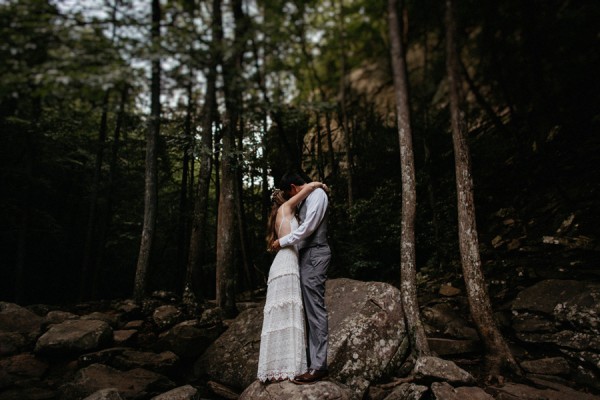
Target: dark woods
[139,139]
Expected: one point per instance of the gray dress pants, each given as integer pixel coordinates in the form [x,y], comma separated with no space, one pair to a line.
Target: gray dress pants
[314,262]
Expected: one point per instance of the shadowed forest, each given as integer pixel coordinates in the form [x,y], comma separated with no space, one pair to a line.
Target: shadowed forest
[140,142]
[312,87]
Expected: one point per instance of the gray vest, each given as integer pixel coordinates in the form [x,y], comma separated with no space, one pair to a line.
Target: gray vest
[319,236]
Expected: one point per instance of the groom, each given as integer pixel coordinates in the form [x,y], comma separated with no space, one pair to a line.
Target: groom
[314,252]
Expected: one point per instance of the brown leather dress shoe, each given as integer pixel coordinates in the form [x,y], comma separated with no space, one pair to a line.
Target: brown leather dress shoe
[309,377]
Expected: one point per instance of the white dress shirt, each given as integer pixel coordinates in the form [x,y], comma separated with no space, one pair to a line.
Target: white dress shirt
[316,206]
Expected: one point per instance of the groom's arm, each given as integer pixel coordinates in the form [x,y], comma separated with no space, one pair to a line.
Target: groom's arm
[316,205]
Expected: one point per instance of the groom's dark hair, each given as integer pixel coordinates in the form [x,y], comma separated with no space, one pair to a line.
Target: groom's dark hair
[293,178]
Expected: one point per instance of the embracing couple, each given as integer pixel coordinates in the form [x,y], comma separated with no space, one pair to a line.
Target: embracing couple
[295,310]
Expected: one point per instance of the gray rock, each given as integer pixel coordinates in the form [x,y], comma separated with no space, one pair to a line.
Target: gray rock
[445,347]
[188,339]
[233,358]
[16,319]
[110,319]
[407,391]
[428,369]
[11,343]
[162,363]
[445,391]
[57,317]
[166,316]
[19,369]
[581,311]
[566,339]
[134,384]
[517,391]
[445,320]
[136,324]
[76,336]
[105,394]
[592,358]
[367,338]
[527,322]
[548,366]
[186,392]
[367,335]
[124,336]
[544,296]
[28,393]
[222,391]
[324,390]
[129,308]
[105,356]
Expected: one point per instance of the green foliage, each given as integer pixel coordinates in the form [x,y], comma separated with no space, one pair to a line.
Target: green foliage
[533,63]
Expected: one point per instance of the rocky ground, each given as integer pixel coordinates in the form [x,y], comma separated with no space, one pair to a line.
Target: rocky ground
[162,350]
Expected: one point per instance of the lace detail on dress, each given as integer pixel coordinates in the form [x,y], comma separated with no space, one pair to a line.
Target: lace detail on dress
[282,350]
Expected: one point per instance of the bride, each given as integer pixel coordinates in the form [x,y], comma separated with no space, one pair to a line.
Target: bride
[282,349]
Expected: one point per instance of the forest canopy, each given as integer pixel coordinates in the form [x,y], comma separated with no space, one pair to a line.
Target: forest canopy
[234,93]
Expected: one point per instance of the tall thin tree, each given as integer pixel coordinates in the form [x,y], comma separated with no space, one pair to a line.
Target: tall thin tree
[498,358]
[196,255]
[88,250]
[408,285]
[151,175]
[227,209]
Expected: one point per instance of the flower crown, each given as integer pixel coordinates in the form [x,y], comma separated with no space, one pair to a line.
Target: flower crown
[274,194]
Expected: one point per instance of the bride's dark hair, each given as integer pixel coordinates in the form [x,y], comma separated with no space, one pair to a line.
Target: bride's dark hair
[277,199]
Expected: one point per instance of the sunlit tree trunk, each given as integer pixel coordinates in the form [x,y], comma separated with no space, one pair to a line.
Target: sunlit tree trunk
[498,358]
[151,178]
[408,284]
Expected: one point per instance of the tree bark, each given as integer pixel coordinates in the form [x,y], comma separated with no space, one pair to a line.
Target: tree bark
[498,357]
[344,124]
[227,209]
[197,254]
[112,171]
[88,250]
[408,284]
[183,239]
[151,178]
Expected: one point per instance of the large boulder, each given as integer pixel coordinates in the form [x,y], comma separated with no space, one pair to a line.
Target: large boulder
[565,314]
[325,390]
[186,392]
[20,370]
[74,336]
[19,320]
[367,338]
[137,383]
[188,339]
[565,301]
[367,334]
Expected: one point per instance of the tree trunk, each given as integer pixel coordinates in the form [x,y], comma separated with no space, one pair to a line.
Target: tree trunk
[183,223]
[226,215]
[408,285]
[498,357]
[344,124]
[151,179]
[112,171]
[88,250]
[196,259]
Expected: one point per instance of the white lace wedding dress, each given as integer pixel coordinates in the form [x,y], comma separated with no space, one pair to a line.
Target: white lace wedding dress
[282,349]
